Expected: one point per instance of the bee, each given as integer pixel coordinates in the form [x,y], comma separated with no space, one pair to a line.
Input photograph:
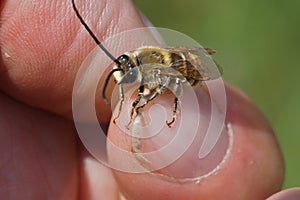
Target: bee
[156,69]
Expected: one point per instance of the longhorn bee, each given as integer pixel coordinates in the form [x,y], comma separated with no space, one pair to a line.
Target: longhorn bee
[156,69]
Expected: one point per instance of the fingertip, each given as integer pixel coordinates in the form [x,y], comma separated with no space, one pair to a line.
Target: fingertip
[288,194]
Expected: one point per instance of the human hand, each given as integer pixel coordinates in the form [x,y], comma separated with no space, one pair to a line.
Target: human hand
[42,47]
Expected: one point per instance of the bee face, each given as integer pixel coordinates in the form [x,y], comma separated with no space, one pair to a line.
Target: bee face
[128,73]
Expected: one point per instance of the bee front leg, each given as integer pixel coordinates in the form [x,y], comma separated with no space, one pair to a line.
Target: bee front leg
[135,103]
[174,113]
[121,93]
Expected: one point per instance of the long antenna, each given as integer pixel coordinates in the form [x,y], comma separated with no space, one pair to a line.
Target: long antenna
[93,35]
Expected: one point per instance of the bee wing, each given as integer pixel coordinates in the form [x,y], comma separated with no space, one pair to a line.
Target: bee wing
[196,63]
[193,49]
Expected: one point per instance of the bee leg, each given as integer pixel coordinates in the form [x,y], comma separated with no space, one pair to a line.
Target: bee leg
[159,90]
[121,92]
[174,113]
[135,103]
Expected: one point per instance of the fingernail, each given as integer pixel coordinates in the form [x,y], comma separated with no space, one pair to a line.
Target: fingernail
[288,194]
[193,148]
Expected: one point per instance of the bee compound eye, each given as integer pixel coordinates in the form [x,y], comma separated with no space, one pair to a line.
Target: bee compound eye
[126,62]
[123,59]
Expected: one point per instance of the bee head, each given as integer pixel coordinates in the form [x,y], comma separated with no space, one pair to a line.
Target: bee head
[130,71]
[126,63]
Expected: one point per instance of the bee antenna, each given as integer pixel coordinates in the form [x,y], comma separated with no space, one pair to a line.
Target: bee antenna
[106,83]
[93,35]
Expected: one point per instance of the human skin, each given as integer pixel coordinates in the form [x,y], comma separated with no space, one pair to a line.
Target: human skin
[42,47]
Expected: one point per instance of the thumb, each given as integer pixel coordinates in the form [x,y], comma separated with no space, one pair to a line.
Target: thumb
[253,170]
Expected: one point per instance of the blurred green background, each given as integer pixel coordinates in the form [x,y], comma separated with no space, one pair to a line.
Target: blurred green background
[258,44]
